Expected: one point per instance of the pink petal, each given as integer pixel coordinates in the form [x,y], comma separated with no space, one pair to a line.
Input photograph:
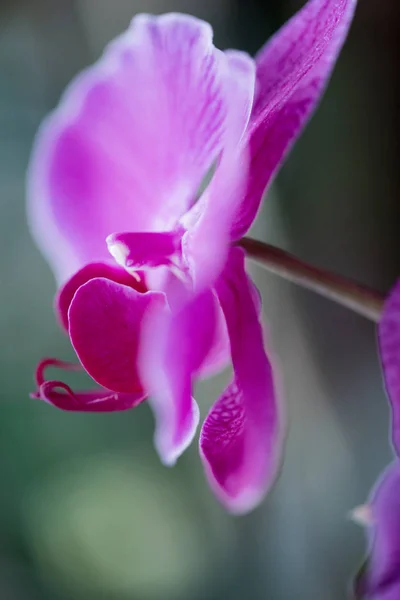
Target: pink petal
[381,579]
[389,344]
[130,142]
[240,441]
[293,70]
[105,325]
[205,245]
[174,347]
[61,395]
[108,271]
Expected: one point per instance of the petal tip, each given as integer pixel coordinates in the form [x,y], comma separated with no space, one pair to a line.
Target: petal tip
[169,450]
[241,502]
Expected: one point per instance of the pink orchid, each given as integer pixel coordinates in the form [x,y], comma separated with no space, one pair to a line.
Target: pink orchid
[153,291]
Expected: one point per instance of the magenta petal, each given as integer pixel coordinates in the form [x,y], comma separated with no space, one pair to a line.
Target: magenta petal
[61,395]
[108,271]
[240,441]
[389,344]
[175,346]
[105,325]
[130,142]
[293,69]
[381,579]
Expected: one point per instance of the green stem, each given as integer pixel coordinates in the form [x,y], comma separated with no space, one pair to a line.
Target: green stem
[358,298]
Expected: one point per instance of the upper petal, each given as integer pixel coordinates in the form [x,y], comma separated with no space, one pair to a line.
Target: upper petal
[389,344]
[293,69]
[130,142]
[105,327]
[381,577]
[240,441]
[59,394]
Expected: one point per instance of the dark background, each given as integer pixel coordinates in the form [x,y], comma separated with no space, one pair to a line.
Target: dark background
[86,510]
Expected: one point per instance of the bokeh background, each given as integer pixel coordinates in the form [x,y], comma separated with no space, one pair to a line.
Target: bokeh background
[86,509]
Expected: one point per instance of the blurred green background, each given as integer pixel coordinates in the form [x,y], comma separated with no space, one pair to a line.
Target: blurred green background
[86,509]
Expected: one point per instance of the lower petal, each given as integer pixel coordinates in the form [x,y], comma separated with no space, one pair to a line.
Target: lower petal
[130,142]
[241,438]
[175,345]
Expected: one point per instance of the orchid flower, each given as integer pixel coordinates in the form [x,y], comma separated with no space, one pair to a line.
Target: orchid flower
[153,290]
[380,578]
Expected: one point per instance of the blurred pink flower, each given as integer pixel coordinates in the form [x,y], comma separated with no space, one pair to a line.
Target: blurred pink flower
[380,578]
[115,174]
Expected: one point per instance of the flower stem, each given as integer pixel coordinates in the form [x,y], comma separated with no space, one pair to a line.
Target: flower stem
[358,298]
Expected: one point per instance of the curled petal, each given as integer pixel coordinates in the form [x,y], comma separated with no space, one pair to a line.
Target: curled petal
[108,271]
[62,396]
[45,363]
[130,142]
[389,344]
[175,345]
[380,579]
[293,69]
[240,441]
[105,326]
